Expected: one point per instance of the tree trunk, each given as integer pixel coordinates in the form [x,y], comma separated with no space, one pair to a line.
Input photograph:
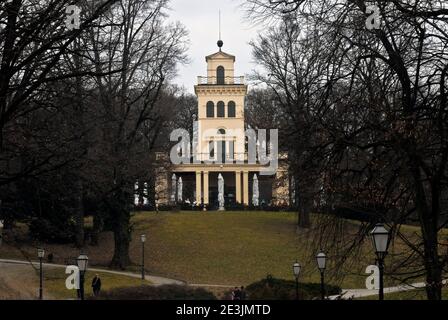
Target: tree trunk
[431,255]
[78,208]
[433,279]
[302,205]
[428,217]
[98,225]
[304,213]
[121,238]
[79,125]
[121,229]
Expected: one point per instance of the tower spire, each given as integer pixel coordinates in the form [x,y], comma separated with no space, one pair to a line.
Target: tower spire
[220,42]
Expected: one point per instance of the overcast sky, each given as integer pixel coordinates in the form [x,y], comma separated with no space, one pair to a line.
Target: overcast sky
[201,17]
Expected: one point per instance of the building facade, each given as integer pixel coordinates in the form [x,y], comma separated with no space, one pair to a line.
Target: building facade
[220,147]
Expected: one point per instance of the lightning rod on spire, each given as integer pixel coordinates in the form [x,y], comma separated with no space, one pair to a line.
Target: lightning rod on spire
[220,42]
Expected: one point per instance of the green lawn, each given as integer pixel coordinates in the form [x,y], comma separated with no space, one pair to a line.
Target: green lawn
[54,283]
[226,248]
[220,248]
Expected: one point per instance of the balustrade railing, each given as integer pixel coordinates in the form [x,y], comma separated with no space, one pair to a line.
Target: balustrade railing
[229,158]
[221,81]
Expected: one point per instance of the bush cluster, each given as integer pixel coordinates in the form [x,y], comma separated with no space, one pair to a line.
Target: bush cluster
[165,292]
[271,288]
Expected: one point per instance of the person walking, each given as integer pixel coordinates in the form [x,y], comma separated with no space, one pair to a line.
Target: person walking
[96,285]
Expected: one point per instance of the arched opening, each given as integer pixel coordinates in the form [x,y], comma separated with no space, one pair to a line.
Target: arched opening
[221,109]
[210,109]
[220,75]
[231,109]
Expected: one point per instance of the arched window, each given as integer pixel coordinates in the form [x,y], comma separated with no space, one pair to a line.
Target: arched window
[221,109]
[231,109]
[221,131]
[220,75]
[210,109]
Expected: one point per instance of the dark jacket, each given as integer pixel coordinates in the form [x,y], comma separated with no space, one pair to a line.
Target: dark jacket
[96,283]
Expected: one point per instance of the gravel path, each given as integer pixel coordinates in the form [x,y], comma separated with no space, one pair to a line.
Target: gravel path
[16,264]
[359,293]
[19,282]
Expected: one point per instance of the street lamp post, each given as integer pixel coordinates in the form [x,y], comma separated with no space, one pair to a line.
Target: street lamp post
[296,269]
[40,255]
[82,261]
[380,239]
[143,239]
[321,264]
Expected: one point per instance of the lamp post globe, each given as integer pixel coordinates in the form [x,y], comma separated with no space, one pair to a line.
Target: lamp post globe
[143,238]
[82,261]
[296,269]
[321,259]
[380,241]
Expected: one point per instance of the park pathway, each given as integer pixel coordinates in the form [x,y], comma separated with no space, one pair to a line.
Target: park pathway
[19,282]
[158,281]
[154,280]
[360,293]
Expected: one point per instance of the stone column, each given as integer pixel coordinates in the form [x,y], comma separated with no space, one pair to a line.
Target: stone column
[198,188]
[246,188]
[205,187]
[238,186]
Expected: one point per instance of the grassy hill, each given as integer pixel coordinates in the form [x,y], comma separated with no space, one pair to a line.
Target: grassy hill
[225,248]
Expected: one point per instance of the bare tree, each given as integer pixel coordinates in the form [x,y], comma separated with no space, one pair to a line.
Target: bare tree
[146,51]
[380,123]
[34,138]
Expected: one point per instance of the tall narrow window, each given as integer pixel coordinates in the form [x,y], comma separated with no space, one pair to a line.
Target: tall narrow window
[231,109]
[221,109]
[222,147]
[211,149]
[210,109]
[220,75]
[232,150]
